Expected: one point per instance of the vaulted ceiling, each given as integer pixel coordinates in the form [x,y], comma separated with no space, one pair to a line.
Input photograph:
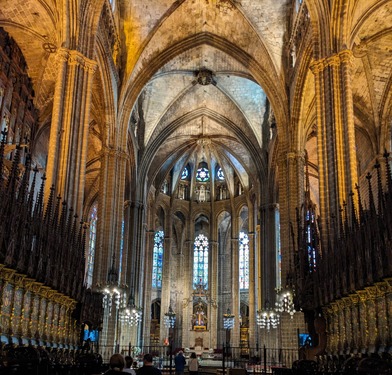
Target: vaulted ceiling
[197,72]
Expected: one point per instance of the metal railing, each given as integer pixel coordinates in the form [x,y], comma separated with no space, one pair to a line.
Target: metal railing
[253,360]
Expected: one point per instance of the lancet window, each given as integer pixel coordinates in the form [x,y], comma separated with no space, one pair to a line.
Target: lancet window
[121,249]
[244,260]
[93,218]
[200,261]
[185,174]
[311,239]
[220,175]
[157,261]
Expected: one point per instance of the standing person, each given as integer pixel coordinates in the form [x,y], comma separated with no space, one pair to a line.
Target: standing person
[148,368]
[128,365]
[193,364]
[116,364]
[180,363]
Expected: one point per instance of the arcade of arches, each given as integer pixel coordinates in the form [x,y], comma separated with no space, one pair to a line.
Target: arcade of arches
[216,153]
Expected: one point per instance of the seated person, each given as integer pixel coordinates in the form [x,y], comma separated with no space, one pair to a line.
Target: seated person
[117,364]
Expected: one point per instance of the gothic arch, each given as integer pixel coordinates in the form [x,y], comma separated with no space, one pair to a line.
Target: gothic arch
[265,77]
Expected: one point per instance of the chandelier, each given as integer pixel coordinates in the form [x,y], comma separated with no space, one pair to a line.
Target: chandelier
[285,301]
[113,294]
[267,318]
[130,314]
[169,320]
[285,296]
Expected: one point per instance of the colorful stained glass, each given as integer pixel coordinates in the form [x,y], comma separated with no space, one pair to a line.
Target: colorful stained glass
[244,260]
[203,174]
[220,174]
[184,174]
[200,260]
[93,218]
[121,249]
[311,240]
[157,260]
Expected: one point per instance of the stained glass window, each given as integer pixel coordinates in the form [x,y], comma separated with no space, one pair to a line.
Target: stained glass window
[184,174]
[311,239]
[93,217]
[220,174]
[244,260]
[157,260]
[203,174]
[121,249]
[278,249]
[200,261]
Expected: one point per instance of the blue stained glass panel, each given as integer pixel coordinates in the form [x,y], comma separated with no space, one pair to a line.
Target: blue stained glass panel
[200,260]
[157,266]
[244,260]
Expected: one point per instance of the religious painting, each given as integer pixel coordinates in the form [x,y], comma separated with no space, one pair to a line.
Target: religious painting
[199,317]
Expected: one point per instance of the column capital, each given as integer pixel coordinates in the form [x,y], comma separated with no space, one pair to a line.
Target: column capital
[73,57]
[112,152]
[295,155]
[344,56]
[317,66]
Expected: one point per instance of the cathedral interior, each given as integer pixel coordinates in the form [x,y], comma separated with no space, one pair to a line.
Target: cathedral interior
[197,175]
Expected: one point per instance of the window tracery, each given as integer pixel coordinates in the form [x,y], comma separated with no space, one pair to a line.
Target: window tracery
[220,174]
[93,218]
[157,262]
[244,260]
[200,261]
[185,173]
[203,174]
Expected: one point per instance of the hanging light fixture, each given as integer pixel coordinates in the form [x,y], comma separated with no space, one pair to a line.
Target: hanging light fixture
[169,320]
[285,301]
[285,296]
[113,294]
[267,318]
[131,314]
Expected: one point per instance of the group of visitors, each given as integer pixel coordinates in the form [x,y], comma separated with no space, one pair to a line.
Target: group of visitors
[120,364]
[180,363]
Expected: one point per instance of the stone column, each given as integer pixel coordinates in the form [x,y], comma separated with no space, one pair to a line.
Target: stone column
[67,153]
[166,286]
[336,133]
[110,213]
[148,290]
[234,305]
[187,302]
[110,217]
[212,306]
[253,259]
